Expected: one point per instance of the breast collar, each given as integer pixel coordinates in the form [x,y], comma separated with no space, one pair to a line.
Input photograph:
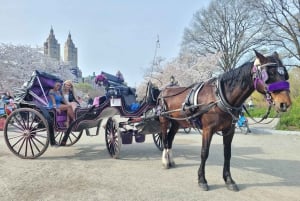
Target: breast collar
[223,103]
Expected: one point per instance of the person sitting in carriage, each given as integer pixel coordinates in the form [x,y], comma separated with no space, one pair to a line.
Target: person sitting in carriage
[120,77]
[10,107]
[173,82]
[69,94]
[7,96]
[58,103]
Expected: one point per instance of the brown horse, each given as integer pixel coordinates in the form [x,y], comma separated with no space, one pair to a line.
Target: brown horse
[214,106]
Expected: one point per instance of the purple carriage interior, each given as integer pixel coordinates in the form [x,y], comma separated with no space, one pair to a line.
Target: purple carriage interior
[34,93]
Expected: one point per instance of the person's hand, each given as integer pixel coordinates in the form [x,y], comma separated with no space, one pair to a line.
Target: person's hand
[58,110]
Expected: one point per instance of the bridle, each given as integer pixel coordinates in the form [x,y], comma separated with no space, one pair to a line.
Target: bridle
[260,76]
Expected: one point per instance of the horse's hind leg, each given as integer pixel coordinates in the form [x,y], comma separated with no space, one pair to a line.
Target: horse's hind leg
[227,139]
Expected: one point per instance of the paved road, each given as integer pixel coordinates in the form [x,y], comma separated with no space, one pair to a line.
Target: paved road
[265,166]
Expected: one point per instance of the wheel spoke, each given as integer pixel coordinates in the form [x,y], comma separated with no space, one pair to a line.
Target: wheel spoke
[21,138]
[22,144]
[60,136]
[112,137]
[35,145]
[157,138]
[30,145]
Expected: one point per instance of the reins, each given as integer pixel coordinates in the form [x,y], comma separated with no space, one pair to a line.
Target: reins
[194,115]
[263,118]
[180,92]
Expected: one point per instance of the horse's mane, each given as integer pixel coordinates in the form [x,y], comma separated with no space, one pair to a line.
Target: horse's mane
[239,76]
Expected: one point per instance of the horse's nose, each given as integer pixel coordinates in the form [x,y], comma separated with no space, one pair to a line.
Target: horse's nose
[283,107]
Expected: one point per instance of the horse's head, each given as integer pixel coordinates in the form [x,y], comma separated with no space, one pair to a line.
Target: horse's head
[152,93]
[270,78]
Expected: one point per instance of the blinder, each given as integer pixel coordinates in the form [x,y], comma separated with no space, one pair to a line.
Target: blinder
[280,70]
[260,74]
[264,75]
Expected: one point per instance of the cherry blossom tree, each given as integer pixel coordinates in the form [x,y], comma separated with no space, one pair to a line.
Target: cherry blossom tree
[17,62]
[187,70]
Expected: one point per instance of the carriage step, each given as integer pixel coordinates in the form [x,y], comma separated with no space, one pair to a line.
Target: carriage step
[88,133]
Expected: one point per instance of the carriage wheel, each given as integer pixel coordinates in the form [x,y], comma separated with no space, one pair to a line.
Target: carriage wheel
[157,138]
[26,133]
[112,138]
[72,139]
[158,141]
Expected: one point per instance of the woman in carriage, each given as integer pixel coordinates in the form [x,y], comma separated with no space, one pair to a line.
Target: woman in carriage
[58,102]
[69,94]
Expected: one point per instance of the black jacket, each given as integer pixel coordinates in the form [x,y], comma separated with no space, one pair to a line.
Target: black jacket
[72,98]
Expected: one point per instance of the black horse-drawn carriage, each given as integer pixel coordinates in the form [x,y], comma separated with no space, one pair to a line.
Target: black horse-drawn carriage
[213,106]
[33,126]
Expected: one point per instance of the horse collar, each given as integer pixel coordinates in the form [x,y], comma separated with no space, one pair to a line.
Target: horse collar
[224,105]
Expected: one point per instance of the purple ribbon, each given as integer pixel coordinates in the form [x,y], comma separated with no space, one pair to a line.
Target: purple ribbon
[279,86]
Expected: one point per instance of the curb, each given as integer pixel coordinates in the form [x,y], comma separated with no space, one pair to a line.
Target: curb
[272,131]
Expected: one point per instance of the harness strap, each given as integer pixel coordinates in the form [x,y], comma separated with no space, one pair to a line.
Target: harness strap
[224,105]
[191,98]
[195,115]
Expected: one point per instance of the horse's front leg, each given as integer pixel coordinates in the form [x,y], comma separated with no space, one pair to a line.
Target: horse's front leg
[206,140]
[227,139]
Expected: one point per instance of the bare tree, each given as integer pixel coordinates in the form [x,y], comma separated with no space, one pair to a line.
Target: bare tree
[283,20]
[229,28]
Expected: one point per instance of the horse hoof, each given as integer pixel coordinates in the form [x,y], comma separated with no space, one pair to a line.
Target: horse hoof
[166,166]
[232,187]
[203,186]
[172,164]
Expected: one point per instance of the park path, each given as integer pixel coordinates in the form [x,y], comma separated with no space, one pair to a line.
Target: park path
[265,167]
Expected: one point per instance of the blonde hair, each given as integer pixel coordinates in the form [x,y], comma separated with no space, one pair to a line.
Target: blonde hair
[68,82]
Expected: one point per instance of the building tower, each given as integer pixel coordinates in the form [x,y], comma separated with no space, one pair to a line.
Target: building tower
[51,46]
[70,52]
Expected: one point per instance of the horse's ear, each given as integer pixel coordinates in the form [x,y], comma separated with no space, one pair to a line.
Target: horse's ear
[276,55]
[259,58]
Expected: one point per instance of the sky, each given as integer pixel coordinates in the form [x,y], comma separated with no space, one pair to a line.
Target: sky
[110,35]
